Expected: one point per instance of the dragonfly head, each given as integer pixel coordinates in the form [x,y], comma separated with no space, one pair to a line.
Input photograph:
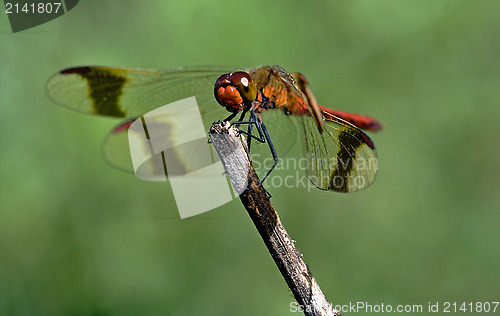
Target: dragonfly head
[235,91]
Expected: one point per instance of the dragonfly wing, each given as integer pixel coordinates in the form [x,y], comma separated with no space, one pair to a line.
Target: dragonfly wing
[342,158]
[131,92]
[116,149]
[173,159]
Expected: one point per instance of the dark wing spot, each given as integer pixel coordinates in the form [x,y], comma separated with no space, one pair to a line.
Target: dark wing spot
[105,89]
[349,141]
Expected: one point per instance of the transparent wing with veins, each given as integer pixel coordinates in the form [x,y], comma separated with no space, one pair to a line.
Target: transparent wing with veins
[342,158]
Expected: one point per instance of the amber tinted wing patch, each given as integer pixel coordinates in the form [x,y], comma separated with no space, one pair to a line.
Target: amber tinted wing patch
[341,158]
[349,142]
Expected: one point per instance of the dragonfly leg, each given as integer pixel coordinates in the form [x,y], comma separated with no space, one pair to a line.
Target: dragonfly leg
[271,147]
[230,117]
[254,120]
[263,137]
[249,139]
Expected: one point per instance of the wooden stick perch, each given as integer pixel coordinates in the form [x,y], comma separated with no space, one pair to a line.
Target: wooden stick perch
[256,200]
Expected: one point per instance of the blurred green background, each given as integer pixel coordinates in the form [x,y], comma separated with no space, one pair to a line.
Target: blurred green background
[81,238]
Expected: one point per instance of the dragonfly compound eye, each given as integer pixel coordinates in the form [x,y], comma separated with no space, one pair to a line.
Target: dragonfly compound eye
[245,85]
[233,91]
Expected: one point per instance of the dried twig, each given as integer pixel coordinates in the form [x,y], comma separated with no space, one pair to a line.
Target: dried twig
[258,205]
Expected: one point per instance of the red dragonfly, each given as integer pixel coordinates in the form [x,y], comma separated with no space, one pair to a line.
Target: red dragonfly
[340,157]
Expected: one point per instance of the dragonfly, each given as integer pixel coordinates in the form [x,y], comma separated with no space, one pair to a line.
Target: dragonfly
[340,156]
